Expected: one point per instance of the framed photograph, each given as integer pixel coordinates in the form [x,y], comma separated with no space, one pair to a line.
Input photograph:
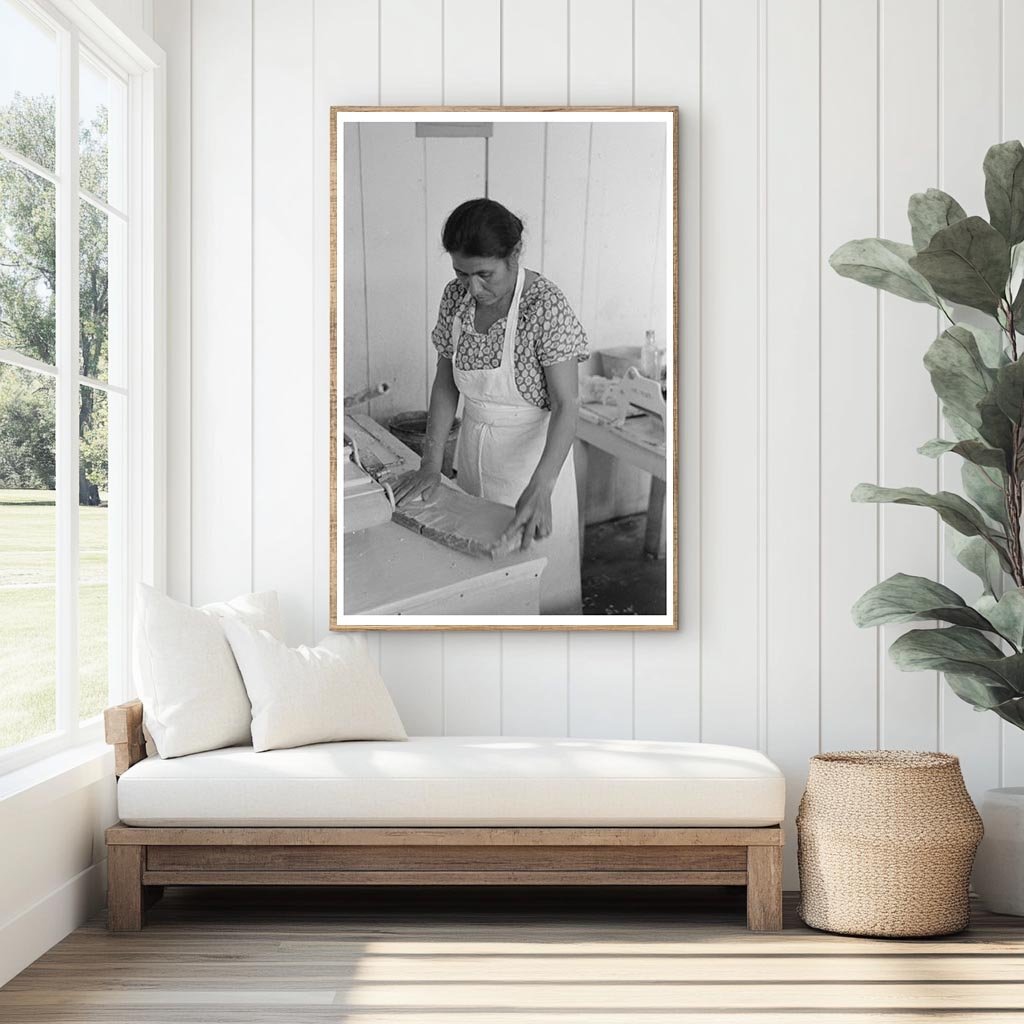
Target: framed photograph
[504,353]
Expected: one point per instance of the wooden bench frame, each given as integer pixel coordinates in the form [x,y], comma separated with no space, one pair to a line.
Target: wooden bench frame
[142,860]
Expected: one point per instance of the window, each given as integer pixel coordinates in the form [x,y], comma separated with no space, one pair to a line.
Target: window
[77,396]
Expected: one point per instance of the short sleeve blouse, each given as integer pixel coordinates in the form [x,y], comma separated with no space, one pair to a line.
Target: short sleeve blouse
[548,332]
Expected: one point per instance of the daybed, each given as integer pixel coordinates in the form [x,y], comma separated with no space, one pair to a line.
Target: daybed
[444,811]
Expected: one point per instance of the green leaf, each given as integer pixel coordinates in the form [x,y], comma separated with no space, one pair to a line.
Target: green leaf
[995,428]
[954,510]
[964,652]
[958,372]
[932,211]
[1017,309]
[967,263]
[990,345]
[982,693]
[1006,614]
[883,264]
[1004,189]
[976,555]
[962,430]
[903,598]
[973,451]
[1009,390]
[986,488]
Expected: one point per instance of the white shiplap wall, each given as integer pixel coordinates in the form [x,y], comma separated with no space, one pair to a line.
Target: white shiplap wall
[803,123]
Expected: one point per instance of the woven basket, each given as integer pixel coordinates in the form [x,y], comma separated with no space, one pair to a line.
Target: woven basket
[885,843]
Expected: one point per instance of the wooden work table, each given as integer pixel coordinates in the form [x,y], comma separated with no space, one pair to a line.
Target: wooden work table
[389,569]
[640,441]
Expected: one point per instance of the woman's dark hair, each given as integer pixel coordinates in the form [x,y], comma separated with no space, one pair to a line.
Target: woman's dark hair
[482,227]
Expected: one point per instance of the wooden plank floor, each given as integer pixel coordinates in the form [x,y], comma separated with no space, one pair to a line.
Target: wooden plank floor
[262,956]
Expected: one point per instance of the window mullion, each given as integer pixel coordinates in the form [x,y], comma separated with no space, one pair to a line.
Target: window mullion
[67,387]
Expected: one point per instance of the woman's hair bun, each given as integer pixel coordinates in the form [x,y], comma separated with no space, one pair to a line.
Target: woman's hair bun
[482,227]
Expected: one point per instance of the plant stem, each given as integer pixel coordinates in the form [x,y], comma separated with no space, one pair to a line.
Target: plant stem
[1013,484]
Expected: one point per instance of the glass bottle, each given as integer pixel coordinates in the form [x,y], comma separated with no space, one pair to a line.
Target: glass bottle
[649,357]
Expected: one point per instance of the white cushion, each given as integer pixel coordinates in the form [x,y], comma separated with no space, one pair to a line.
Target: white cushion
[191,691]
[455,780]
[309,694]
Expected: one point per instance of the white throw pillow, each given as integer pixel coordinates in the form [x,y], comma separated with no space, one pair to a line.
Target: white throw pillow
[191,690]
[309,694]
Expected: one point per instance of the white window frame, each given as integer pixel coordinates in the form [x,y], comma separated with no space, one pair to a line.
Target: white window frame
[141,64]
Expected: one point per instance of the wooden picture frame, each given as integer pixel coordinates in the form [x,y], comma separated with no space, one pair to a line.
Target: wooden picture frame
[570,173]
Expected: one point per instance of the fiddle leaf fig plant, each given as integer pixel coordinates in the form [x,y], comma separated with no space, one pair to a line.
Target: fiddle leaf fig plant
[978,375]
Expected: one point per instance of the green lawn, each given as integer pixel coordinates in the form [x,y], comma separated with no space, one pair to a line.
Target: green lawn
[28,617]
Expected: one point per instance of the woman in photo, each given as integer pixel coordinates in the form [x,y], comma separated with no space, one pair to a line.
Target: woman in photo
[508,342]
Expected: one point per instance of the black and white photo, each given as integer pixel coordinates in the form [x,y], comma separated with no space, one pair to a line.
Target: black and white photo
[504,359]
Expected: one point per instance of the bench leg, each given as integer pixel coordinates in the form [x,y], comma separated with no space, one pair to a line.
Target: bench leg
[764,888]
[125,897]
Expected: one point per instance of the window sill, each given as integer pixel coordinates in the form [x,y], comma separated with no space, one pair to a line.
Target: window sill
[55,776]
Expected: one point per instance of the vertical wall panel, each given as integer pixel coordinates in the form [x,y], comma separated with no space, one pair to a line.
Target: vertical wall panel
[849,369]
[515,176]
[412,665]
[729,393]
[283,339]
[565,210]
[1012,127]
[600,685]
[394,228]
[472,52]
[969,124]
[601,52]
[792,384]
[621,218]
[173,28]
[472,684]
[667,666]
[535,693]
[909,410]
[410,51]
[534,52]
[353,336]
[344,54]
[221,378]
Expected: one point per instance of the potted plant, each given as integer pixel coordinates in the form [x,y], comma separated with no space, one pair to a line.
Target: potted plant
[978,374]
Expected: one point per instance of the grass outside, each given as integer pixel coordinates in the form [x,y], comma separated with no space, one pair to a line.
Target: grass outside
[28,614]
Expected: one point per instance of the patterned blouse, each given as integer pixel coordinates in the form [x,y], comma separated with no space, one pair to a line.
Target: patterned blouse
[548,333]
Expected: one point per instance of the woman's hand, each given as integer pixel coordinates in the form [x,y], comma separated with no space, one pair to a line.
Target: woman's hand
[532,518]
[422,482]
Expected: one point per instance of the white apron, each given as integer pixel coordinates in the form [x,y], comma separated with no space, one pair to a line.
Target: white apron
[500,443]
